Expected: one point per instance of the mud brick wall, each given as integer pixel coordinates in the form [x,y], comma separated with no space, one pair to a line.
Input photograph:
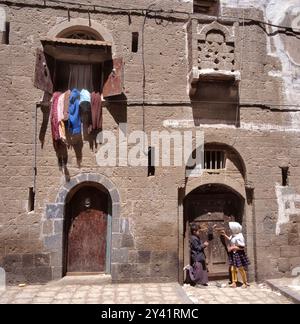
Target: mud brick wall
[147,221]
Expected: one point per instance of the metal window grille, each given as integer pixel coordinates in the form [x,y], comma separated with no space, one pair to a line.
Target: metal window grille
[214,160]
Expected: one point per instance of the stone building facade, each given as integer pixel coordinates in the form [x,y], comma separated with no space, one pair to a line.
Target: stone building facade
[214,66]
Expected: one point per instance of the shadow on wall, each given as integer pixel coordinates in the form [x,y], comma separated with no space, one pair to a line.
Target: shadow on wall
[216,103]
[117,107]
[210,7]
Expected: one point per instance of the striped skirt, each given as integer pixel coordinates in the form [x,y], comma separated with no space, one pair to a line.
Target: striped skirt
[238,259]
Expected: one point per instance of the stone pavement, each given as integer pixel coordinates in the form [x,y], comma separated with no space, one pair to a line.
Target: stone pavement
[99,290]
[95,290]
[219,293]
[289,287]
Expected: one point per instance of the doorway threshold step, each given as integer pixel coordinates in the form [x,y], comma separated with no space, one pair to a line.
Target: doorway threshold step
[85,279]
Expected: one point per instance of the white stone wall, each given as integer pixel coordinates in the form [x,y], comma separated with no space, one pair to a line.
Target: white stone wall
[283,13]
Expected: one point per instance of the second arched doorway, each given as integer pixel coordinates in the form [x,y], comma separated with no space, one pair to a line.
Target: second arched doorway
[209,205]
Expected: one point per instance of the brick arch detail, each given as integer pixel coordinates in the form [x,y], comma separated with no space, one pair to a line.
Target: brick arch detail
[76,23]
[52,229]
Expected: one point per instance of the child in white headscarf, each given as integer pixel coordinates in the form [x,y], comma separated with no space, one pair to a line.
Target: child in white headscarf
[238,259]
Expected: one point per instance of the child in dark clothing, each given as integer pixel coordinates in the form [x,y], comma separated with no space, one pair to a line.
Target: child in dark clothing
[197,272]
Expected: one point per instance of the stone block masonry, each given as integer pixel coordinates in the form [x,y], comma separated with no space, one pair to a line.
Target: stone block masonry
[147,216]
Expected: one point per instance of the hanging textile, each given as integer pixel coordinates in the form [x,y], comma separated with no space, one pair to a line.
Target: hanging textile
[62,131]
[74,114]
[85,96]
[54,116]
[66,104]
[85,111]
[81,76]
[60,107]
[96,106]
[60,117]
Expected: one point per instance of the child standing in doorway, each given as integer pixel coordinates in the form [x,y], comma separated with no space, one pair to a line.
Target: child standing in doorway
[197,272]
[238,259]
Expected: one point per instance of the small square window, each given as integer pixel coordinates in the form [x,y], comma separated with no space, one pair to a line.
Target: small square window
[135,42]
[214,160]
[151,161]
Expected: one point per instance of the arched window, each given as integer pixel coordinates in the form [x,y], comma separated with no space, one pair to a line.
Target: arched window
[81,32]
[217,157]
[78,57]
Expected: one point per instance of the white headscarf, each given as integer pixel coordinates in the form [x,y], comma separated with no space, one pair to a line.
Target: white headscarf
[237,237]
[235,227]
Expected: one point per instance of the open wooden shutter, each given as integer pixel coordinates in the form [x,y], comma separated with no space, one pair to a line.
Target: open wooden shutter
[42,78]
[114,81]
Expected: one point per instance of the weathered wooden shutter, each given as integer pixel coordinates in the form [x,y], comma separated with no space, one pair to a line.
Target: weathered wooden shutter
[42,78]
[114,82]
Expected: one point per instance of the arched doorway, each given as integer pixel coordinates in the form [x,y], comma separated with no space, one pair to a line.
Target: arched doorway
[209,205]
[86,229]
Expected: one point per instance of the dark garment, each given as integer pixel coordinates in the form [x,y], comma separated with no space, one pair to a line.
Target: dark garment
[238,259]
[198,273]
[197,249]
[86,116]
[96,104]
[85,111]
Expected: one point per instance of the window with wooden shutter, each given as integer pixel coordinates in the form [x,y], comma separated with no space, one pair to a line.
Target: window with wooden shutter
[52,71]
[43,78]
[113,78]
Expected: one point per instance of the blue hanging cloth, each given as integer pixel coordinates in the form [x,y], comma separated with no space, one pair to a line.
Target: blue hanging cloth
[74,115]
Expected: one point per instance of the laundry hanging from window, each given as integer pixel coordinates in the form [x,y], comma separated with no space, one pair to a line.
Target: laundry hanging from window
[77,103]
[72,109]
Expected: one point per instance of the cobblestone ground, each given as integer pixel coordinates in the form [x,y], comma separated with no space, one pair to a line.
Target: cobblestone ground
[82,291]
[220,293]
[87,291]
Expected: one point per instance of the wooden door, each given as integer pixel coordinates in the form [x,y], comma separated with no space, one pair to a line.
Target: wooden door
[86,232]
[87,242]
[216,252]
